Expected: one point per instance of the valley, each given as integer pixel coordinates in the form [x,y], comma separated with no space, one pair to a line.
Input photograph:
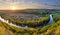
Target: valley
[30,23]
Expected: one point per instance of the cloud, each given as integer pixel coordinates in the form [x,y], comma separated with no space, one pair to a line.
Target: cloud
[40,6]
[21,4]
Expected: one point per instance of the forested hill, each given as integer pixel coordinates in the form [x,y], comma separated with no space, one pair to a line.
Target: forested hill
[31,11]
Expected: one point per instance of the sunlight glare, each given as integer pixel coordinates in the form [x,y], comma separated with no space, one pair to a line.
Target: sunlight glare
[13,8]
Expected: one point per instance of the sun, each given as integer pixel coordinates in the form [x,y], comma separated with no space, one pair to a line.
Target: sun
[13,8]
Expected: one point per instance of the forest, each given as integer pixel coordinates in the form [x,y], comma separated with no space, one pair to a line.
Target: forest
[41,23]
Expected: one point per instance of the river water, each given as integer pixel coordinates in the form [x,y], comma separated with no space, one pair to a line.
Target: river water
[25,27]
[51,20]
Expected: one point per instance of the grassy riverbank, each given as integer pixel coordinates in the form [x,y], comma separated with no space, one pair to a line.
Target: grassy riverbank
[52,29]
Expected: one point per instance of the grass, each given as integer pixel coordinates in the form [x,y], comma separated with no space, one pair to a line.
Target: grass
[56,15]
[4,31]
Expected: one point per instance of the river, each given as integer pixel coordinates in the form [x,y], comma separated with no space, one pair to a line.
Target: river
[51,20]
[25,27]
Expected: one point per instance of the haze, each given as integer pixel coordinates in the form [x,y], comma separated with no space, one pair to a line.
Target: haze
[29,4]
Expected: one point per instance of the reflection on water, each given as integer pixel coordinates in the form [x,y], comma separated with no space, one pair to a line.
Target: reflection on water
[7,21]
[25,27]
[51,19]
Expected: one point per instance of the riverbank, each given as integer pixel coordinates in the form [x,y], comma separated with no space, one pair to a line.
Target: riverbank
[25,27]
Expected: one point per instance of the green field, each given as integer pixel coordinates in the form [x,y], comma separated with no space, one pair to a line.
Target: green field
[52,29]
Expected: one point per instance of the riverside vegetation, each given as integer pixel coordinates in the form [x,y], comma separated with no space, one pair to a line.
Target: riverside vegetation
[52,29]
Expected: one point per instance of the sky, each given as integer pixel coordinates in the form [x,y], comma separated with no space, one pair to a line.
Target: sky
[29,4]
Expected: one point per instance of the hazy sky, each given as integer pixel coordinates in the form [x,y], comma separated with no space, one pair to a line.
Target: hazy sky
[24,4]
